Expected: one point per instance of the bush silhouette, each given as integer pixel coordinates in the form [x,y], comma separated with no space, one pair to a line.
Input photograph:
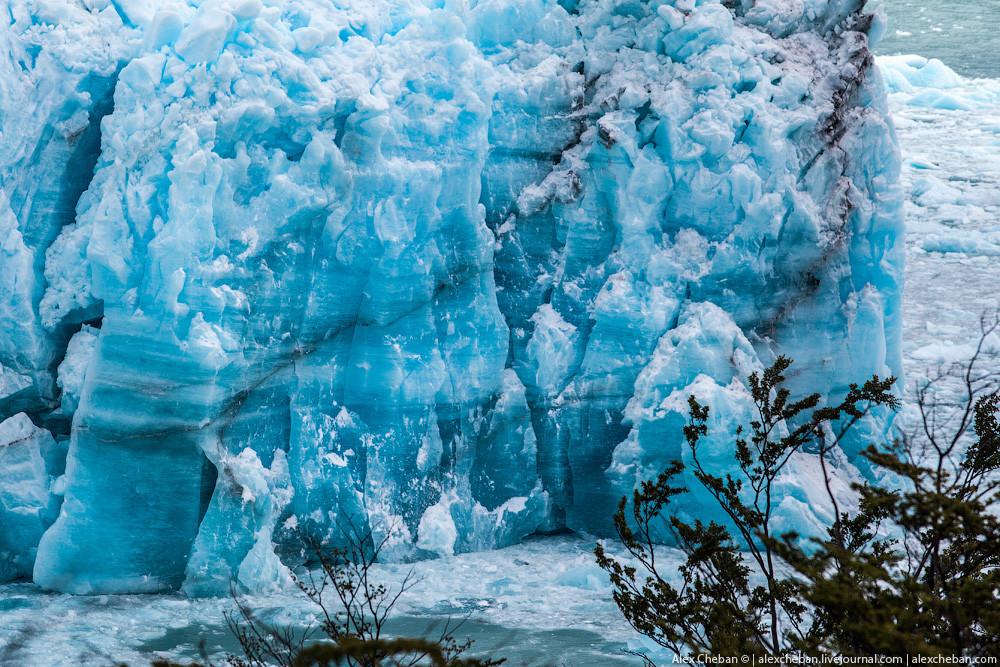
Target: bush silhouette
[913,570]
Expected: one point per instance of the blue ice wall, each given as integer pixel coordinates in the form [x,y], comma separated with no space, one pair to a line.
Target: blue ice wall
[445,269]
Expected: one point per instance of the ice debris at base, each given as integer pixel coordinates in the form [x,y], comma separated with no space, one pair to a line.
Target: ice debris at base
[921,82]
[441,266]
[535,603]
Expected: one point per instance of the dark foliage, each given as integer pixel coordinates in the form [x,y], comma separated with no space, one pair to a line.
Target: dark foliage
[912,571]
[353,610]
[387,652]
[930,583]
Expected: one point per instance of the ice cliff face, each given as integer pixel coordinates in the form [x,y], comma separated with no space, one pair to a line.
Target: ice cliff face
[447,267]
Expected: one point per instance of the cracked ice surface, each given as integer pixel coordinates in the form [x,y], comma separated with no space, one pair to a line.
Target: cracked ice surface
[443,266]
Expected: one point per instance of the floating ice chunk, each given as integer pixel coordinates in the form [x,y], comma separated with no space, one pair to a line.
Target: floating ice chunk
[585,574]
[307,38]
[931,191]
[949,352]
[935,99]
[904,73]
[919,82]
[969,242]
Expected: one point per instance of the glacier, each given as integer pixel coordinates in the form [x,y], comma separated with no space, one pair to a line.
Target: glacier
[446,269]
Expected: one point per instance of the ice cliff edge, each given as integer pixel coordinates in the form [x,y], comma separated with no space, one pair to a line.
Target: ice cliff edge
[450,267]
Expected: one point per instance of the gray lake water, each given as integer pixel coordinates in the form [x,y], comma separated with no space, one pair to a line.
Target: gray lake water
[965,34]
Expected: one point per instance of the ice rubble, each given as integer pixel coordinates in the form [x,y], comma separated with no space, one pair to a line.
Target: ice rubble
[445,267]
[951,174]
[922,82]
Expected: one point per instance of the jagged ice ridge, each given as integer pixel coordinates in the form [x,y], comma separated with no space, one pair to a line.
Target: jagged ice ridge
[448,269]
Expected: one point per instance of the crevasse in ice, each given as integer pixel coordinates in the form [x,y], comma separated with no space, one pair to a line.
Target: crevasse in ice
[445,268]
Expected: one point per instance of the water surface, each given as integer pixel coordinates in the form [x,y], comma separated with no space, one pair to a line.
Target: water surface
[965,34]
